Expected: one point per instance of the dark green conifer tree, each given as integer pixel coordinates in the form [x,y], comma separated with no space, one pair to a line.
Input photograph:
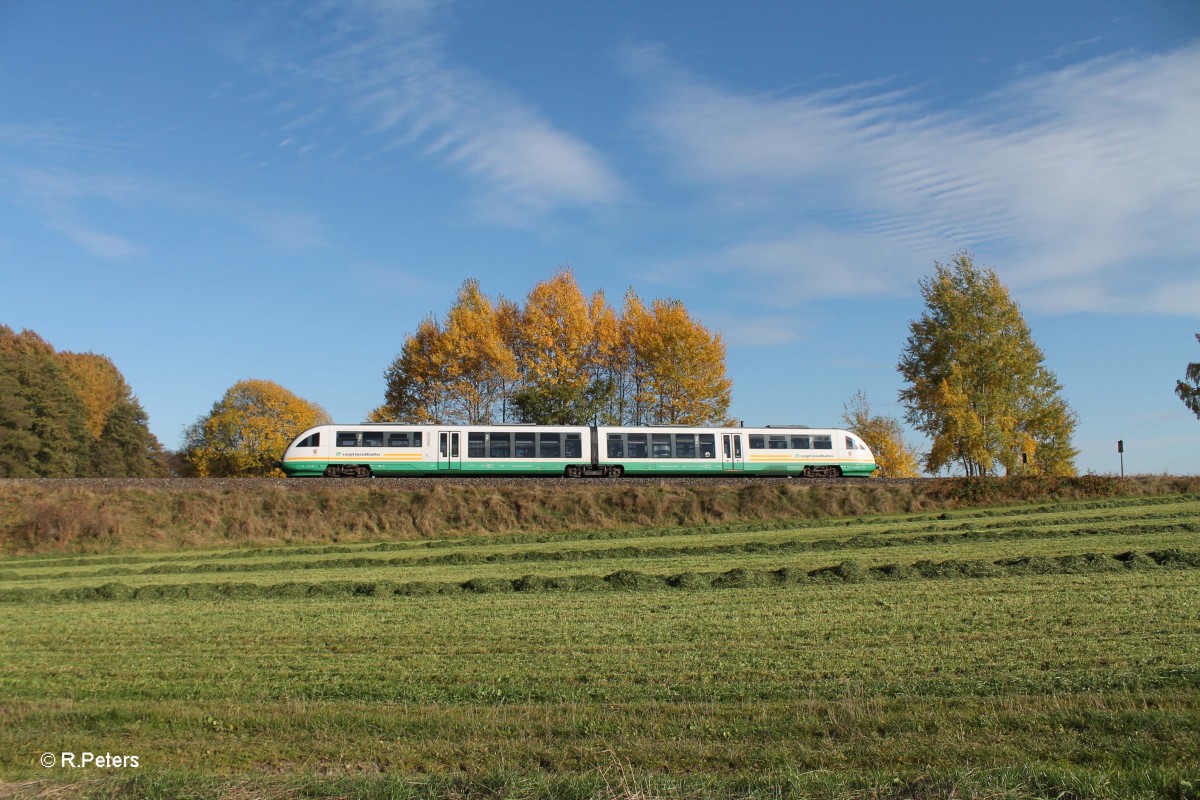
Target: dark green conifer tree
[48,418]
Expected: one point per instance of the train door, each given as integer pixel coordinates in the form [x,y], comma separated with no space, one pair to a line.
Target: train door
[732,455]
[449,450]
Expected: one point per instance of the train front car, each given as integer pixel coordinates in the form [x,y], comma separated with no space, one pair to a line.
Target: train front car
[858,460]
[366,450]
[811,452]
[307,455]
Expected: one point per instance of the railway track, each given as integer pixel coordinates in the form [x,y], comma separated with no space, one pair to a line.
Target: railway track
[425,482]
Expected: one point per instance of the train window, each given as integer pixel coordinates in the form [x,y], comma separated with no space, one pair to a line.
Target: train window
[801,443]
[708,445]
[660,445]
[399,440]
[572,446]
[476,444]
[524,446]
[822,443]
[310,441]
[347,438]
[685,445]
[758,442]
[737,446]
[777,442]
[372,439]
[549,445]
[616,445]
[635,444]
[851,444]
[499,445]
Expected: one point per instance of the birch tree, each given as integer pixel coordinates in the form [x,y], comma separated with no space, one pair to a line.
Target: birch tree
[477,364]
[556,352]
[977,385]
[678,365]
[884,435]
[416,386]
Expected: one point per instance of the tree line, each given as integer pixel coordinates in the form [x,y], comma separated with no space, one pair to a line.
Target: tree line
[975,384]
[68,415]
[560,358]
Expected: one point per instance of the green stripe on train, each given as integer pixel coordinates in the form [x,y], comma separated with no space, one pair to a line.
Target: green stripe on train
[631,467]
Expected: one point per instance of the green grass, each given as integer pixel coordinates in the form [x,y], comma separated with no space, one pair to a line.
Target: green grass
[1049,650]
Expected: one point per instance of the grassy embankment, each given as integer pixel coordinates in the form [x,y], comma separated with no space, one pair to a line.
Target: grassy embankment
[46,516]
[1047,649]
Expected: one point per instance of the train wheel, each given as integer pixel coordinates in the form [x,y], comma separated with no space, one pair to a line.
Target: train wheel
[822,472]
[616,472]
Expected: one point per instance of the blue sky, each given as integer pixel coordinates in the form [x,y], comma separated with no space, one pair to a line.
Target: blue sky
[207,192]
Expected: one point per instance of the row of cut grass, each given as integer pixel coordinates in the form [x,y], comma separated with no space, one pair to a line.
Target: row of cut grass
[871,543]
[823,539]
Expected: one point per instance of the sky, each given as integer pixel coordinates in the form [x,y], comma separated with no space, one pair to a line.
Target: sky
[208,192]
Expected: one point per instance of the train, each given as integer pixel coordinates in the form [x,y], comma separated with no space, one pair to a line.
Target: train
[369,450]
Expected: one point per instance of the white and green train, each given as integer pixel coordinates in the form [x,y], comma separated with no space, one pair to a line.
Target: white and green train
[395,450]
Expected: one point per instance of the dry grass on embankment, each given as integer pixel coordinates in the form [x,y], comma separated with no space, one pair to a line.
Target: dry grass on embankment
[92,516]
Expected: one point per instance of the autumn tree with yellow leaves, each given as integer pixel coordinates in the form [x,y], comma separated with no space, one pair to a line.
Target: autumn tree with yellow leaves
[678,366]
[417,389]
[459,369]
[556,351]
[477,365]
[894,457]
[122,444]
[248,429]
[977,386]
[560,358]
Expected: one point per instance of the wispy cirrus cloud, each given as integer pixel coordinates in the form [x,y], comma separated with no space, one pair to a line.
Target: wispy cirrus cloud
[1085,180]
[88,208]
[59,197]
[383,66]
[35,175]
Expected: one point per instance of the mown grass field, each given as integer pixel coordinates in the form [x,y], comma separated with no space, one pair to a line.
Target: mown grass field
[1048,649]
